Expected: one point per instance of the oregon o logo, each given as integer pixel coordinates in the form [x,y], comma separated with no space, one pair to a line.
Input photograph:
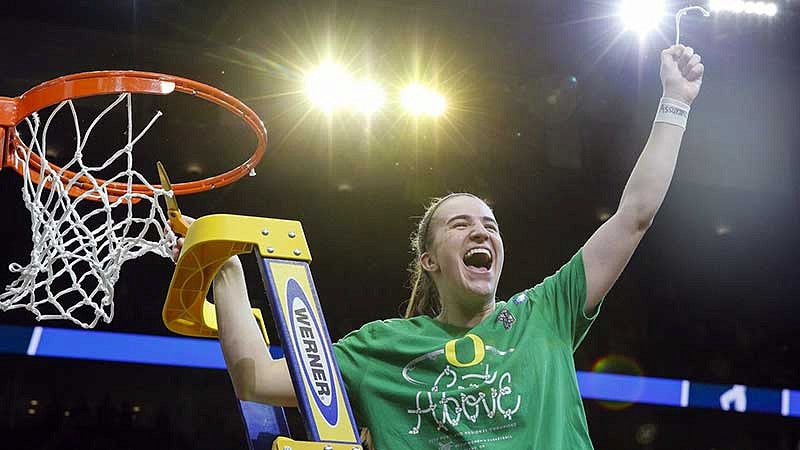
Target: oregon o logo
[477,345]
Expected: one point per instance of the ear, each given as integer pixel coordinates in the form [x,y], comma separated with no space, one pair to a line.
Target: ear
[428,263]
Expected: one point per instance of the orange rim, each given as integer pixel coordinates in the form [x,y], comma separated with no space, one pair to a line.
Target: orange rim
[86,84]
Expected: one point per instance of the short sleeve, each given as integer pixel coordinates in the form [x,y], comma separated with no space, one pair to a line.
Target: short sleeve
[351,356]
[560,299]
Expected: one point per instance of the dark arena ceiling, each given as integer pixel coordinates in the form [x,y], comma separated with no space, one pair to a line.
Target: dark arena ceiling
[549,105]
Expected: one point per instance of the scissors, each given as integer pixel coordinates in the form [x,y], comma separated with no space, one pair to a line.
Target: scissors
[179,226]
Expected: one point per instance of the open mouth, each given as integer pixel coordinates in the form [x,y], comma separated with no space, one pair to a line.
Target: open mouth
[479,259]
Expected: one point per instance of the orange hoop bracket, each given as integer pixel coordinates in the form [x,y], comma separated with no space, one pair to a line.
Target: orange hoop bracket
[86,84]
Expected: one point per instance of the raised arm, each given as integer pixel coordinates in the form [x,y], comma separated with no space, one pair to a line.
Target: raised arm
[255,375]
[610,248]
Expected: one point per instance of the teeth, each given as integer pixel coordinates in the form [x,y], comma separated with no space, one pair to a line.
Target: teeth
[478,250]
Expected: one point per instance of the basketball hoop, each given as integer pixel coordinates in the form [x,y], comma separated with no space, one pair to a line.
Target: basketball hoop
[77,254]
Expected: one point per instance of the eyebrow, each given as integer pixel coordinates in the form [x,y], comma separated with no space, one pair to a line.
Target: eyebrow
[468,217]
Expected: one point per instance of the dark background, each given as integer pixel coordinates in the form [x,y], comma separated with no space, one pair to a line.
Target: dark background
[710,295]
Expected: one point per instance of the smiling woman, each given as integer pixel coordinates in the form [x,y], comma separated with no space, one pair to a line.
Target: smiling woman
[461,227]
[464,369]
[424,295]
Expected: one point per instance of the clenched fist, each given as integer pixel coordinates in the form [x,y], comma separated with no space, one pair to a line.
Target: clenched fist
[681,73]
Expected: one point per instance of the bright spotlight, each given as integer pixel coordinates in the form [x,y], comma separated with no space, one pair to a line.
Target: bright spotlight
[368,96]
[740,6]
[328,87]
[419,100]
[734,6]
[772,10]
[641,15]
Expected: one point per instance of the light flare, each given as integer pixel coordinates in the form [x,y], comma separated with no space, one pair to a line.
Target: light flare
[642,16]
[422,101]
[329,87]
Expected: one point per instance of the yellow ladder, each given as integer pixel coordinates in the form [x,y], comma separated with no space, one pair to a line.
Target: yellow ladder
[284,258]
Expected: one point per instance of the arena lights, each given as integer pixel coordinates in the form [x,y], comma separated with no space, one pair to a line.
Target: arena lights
[641,16]
[330,88]
[744,7]
[368,97]
[421,101]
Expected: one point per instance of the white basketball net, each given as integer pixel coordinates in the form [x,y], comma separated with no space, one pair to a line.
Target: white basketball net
[78,247]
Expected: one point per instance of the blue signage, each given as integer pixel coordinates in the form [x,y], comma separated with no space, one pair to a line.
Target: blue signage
[206,353]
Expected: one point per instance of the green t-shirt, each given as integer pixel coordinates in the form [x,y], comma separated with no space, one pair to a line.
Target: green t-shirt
[507,383]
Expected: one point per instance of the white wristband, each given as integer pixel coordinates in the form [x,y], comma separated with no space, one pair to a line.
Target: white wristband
[673,112]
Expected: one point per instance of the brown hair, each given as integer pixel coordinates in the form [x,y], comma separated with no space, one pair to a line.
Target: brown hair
[424,298]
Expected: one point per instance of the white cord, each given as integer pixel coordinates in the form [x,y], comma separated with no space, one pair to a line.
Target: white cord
[682,13]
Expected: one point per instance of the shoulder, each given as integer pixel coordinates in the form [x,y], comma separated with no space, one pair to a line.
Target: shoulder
[386,329]
[570,273]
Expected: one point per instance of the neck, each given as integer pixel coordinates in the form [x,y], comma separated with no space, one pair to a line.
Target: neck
[463,316]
